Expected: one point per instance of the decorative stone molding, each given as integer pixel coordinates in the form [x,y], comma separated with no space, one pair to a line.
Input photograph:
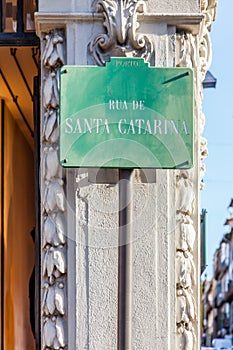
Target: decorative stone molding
[53,304]
[205,57]
[208,8]
[189,22]
[186,309]
[186,50]
[121,37]
[195,52]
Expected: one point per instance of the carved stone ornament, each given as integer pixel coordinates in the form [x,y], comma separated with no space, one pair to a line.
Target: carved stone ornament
[121,38]
[208,8]
[186,311]
[53,259]
[194,52]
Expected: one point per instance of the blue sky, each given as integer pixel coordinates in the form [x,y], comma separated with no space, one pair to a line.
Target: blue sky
[218,109]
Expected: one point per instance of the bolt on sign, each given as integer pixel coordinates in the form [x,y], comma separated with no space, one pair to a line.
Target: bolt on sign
[126,115]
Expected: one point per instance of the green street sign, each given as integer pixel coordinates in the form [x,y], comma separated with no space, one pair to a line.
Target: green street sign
[126,115]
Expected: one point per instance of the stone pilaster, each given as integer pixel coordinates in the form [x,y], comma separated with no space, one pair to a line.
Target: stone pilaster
[193,51]
[80,206]
[53,202]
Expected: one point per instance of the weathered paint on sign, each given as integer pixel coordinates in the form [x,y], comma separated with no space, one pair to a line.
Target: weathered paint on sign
[126,115]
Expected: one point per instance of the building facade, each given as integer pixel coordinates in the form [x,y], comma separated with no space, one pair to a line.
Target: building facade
[72,299]
[217,295]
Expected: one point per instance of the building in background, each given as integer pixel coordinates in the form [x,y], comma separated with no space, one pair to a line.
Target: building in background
[217,294]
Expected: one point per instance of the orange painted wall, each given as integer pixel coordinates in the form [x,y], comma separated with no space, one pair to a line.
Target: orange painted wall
[18,244]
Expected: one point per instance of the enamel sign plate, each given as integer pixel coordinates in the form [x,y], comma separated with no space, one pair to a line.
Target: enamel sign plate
[126,115]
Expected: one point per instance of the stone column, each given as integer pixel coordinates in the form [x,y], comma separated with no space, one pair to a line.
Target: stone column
[79,207]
